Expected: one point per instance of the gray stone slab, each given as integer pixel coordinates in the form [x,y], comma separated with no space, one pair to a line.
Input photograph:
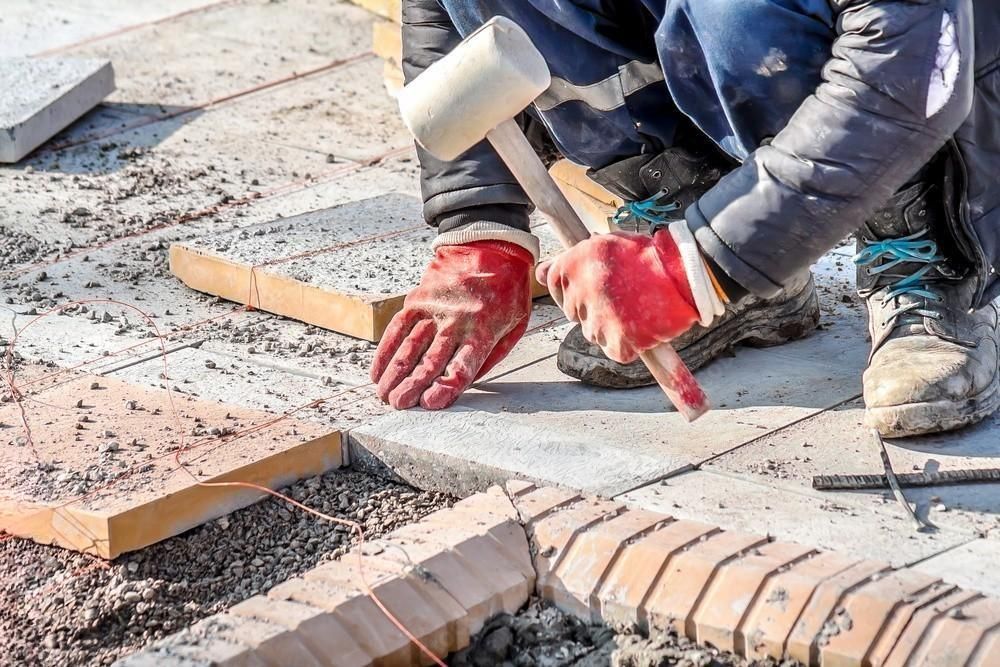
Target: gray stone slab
[28,27]
[536,423]
[972,565]
[867,528]
[207,61]
[44,95]
[836,442]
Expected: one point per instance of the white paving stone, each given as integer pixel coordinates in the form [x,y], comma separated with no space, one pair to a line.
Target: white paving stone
[41,96]
[868,528]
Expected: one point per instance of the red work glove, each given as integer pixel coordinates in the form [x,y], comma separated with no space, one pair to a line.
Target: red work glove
[470,308]
[628,291]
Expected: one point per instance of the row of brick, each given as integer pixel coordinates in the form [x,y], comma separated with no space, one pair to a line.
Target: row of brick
[442,578]
[747,593]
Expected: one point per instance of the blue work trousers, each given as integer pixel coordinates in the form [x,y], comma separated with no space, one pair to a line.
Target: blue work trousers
[629,69]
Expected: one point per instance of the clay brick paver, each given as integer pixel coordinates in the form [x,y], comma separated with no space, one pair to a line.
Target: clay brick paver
[583,568]
[553,534]
[621,596]
[736,587]
[921,624]
[768,624]
[828,597]
[903,617]
[683,583]
[866,612]
[963,638]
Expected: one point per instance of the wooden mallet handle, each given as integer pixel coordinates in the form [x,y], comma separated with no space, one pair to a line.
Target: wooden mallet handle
[671,374]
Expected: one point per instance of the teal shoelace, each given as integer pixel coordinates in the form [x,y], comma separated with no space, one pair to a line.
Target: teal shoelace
[912,249]
[652,210]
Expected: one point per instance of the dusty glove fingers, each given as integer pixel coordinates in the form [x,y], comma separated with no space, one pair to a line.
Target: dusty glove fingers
[458,376]
[407,355]
[406,394]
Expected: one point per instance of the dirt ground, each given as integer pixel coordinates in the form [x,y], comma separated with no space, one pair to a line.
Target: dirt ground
[62,608]
[543,636]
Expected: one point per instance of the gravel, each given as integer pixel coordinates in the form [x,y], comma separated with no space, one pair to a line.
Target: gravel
[542,636]
[62,608]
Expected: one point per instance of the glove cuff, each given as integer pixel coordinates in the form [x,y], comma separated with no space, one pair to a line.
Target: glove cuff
[704,287]
[489,231]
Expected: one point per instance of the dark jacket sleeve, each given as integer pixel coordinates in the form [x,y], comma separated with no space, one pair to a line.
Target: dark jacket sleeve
[476,186]
[850,145]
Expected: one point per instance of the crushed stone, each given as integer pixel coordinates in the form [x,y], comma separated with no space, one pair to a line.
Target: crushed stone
[59,607]
[541,635]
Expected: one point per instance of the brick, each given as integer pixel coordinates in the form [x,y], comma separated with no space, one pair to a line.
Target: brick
[427,611]
[273,643]
[518,487]
[159,499]
[849,637]
[802,643]
[956,640]
[509,539]
[357,612]
[988,653]
[736,588]
[551,536]
[901,618]
[767,626]
[44,95]
[481,591]
[317,631]
[676,593]
[921,625]
[630,578]
[537,503]
[582,570]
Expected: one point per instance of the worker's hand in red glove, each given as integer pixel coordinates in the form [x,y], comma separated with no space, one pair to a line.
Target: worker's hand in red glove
[470,308]
[628,291]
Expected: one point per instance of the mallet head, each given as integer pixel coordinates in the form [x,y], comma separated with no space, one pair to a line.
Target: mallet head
[487,79]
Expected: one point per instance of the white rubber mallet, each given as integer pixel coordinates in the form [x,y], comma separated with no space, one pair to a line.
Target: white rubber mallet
[473,93]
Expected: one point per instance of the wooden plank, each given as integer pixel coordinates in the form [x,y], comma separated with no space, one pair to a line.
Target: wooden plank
[387,42]
[389,9]
[346,268]
[100,471]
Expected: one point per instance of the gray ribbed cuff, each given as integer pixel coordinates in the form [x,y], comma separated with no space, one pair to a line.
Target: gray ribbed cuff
[489,231]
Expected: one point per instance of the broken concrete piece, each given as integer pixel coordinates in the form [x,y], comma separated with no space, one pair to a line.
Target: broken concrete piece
[101,473]
[41,96]
[345,268]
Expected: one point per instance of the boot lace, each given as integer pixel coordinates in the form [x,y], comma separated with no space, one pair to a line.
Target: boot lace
[652,210]
[912,249]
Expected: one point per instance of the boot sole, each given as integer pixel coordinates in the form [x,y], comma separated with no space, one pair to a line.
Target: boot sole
[774,324]
[899,421]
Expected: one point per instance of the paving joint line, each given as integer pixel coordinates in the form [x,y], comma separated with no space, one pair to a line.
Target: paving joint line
[124,30]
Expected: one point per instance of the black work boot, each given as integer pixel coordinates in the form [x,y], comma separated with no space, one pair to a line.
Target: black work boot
[677,178]
[933,365]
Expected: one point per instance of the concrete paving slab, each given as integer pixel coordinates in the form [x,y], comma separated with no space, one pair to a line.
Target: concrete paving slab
[98,469]
[44,95]
[872,529]
[796,454]
[346,269]
[971,565]
[339,113]
[537,423]
[202,68]
[28,27]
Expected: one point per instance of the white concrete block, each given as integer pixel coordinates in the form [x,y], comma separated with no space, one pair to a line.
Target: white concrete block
[880,532]
[41,96]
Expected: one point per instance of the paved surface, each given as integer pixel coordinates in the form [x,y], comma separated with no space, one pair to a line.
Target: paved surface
[234,135]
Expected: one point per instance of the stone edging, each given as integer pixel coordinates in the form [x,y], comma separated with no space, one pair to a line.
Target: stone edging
[445,575]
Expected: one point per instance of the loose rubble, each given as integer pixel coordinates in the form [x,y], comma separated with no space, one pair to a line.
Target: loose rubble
[62,608]
[543,636]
